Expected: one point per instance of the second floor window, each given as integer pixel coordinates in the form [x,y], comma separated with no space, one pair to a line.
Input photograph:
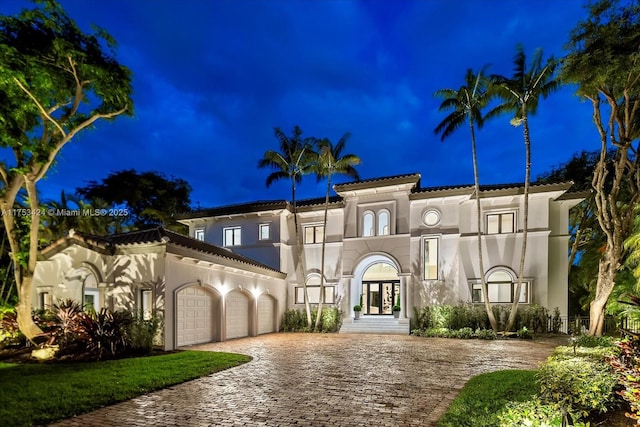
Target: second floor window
[263,230]
[376,224]
[500,223]
[199,234]
[313,234]
[232,236]
[430,258]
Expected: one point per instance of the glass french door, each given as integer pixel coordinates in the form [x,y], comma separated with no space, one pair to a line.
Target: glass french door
[378,297]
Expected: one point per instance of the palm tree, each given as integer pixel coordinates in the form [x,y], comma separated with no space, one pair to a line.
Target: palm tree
[467,103]
[330,161]
[294,159]
[521,94]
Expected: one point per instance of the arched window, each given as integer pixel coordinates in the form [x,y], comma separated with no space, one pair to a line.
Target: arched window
[90,292]
[367,224]
[501,287]
[383,223]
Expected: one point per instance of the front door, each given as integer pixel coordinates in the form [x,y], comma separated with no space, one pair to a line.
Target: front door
[378,297]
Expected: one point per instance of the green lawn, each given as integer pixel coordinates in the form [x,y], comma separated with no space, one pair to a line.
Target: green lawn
[485,395]
[42,393]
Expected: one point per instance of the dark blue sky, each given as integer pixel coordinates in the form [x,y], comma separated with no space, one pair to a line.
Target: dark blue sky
[213,78]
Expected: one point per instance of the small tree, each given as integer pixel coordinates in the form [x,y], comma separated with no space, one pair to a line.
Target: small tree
[331,161]
[467,103]
[55,82]
[521,94]
[295,159]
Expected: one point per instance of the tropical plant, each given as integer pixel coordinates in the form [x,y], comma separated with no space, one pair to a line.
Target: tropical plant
[55,82]
[603,63]
[295,159]
[331,161]
[521,94]
[467,103]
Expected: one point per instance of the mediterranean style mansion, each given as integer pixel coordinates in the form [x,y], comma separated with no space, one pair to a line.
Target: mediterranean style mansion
[386,239]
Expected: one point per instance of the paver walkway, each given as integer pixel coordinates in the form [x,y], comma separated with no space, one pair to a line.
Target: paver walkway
[325,380]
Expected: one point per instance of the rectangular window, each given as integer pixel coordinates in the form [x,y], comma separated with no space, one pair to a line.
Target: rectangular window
[430,257]
[232,236]
[500,292]
[45,300]
[199,234]
[314,294]
[313,234]
[501,223]
[263,231]
[146,303]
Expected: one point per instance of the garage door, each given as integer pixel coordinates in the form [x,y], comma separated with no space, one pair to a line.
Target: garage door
[237,315]
[265,314]
[195,316]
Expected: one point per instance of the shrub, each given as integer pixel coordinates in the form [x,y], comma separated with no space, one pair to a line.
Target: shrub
[524,333]
[627,367]
[10,334]
[296,320]
[485,334]
[535,318]
[595,353]
[556,321]
[533,413]
[463,333]
[105,332]
[331,319]
[593,341]
[578,385]
[142,332]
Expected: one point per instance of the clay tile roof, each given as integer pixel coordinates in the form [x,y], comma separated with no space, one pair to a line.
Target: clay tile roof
[239,208]
[160,234]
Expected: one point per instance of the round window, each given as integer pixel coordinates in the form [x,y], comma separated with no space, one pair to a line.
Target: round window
[431,217]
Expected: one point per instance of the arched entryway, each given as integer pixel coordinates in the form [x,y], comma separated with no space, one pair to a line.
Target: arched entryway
[376,280]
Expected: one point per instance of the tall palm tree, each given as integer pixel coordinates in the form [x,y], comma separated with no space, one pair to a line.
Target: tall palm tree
[521,94]
[467,103]
[330,161]
[294,160]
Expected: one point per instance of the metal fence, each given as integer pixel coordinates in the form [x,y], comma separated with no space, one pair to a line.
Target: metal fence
[580,325]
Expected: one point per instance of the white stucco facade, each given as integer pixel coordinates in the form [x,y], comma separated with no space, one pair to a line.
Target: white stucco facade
[388,241]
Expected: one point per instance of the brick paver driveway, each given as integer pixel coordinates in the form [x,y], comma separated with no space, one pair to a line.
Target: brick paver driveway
[332,380]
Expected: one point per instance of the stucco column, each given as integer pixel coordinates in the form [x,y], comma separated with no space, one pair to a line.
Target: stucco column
[405,292]
[347,282]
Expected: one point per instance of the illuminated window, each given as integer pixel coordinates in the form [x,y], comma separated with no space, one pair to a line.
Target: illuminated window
[430,258]
[313,234]
[263,231]
[44,300]
[501,287]
[383,223]
[313,290]
[367,224]
[232,236]
[146,303]
[500,223]
[199,234]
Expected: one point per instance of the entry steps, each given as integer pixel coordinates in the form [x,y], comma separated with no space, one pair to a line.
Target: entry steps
[375,325]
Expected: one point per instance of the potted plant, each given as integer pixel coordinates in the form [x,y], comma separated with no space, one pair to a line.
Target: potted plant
[357,309]
[396,308]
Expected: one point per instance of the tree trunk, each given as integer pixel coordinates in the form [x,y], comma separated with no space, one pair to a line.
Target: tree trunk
[298,249]
[483,281]
[604,286]
[324,241]
[525,222]
[23,310]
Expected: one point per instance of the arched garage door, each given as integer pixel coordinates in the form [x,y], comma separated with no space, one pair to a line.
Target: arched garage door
[237,308]
[266,314]
[195,316]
